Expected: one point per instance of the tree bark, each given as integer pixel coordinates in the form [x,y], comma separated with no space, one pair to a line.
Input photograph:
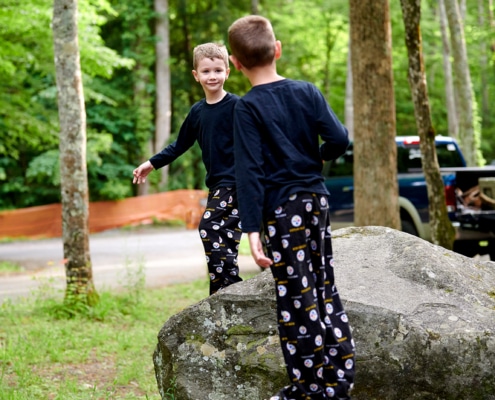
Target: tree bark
[254,7]
[462,9]
[462,83]
[375,151]
[442,231]
[450,97]
[142,77]
[74,181]
[491,18]
[144,110]
[484,83]
[163,109]
[349,110]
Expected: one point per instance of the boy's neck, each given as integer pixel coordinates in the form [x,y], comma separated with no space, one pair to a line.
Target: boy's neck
[212,98]
[262,75]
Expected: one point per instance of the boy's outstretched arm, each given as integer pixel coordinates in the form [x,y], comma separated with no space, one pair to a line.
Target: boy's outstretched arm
[257,250]
[141,172]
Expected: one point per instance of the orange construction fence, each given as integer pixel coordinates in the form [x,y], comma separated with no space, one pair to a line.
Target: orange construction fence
[46,221]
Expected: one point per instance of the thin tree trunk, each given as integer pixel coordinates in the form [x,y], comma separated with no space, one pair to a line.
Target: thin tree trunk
[462,82]
[491,27]
[328,56]
[142,78]
[462,10]
[375,151]
[187,47]
[490,14]
[442,231]
[450,97]
[254,7]
[329,45]
[74,180]
[349,109]
[144,110]
[163,109]
[485,105]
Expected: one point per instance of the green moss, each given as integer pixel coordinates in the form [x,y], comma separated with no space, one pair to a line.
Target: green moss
[195,338]
[240,330]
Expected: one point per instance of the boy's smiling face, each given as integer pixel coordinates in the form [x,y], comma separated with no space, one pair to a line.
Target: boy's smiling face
[211,73]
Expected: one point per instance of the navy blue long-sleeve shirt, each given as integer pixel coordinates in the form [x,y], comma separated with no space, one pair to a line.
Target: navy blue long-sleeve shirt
[277,127]
[212,126]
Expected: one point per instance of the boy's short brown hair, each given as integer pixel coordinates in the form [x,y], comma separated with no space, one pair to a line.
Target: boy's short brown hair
[252,41]
[211,51]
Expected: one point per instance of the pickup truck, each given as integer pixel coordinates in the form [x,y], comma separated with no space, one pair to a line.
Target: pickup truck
[470,194]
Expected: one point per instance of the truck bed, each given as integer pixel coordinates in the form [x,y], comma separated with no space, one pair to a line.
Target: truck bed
[474,220]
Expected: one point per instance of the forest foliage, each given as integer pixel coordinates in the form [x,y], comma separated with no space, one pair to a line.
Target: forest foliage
[117,43]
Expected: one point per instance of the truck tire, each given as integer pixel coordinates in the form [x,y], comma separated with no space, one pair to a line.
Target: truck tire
[408,227]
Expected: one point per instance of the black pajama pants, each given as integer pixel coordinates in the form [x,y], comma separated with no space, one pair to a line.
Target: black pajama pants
[220,232]
[314,330]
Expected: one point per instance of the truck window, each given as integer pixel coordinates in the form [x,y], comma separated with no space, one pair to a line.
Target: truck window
[448,156]
[408,158]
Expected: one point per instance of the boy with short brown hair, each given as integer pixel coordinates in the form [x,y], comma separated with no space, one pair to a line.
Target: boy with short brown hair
[278,160]
[210,123]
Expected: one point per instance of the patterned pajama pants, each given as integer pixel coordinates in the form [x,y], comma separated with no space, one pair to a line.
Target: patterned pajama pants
[220,231]
[314,331]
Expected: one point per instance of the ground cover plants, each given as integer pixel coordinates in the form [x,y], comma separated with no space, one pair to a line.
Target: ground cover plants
[48,351]
[52,349]
[7,267]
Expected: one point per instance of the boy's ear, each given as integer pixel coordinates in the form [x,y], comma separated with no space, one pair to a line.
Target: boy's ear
[195,74]
[235,62]
[227,73]
[278,49]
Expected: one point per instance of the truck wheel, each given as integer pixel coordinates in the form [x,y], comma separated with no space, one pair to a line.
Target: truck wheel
[408,227]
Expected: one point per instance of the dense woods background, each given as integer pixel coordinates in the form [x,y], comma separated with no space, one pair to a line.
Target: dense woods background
[117,43]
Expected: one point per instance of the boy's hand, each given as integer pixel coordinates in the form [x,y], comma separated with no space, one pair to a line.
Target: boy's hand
[141,172]
[257,250]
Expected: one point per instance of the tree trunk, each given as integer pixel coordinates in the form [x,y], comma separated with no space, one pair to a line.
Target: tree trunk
[186,44]
[491,18]
[144,110]
[349,110]
[484,82]
[462,9]
[74,181]
[375,151]
[462,83]
[450,98]
[143,50]
[442,231]
[254,7]
[163,109]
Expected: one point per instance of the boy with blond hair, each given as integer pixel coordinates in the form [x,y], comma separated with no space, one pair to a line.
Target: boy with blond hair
[278,160]
[210,123]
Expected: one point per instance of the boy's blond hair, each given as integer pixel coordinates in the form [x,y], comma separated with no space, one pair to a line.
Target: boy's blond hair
[211,51]
[252,41]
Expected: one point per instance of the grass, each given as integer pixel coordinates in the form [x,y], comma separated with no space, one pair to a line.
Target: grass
[51,351]
[7,267]
[100,353]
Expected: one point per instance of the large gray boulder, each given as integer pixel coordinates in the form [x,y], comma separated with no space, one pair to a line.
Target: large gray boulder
[423,320]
